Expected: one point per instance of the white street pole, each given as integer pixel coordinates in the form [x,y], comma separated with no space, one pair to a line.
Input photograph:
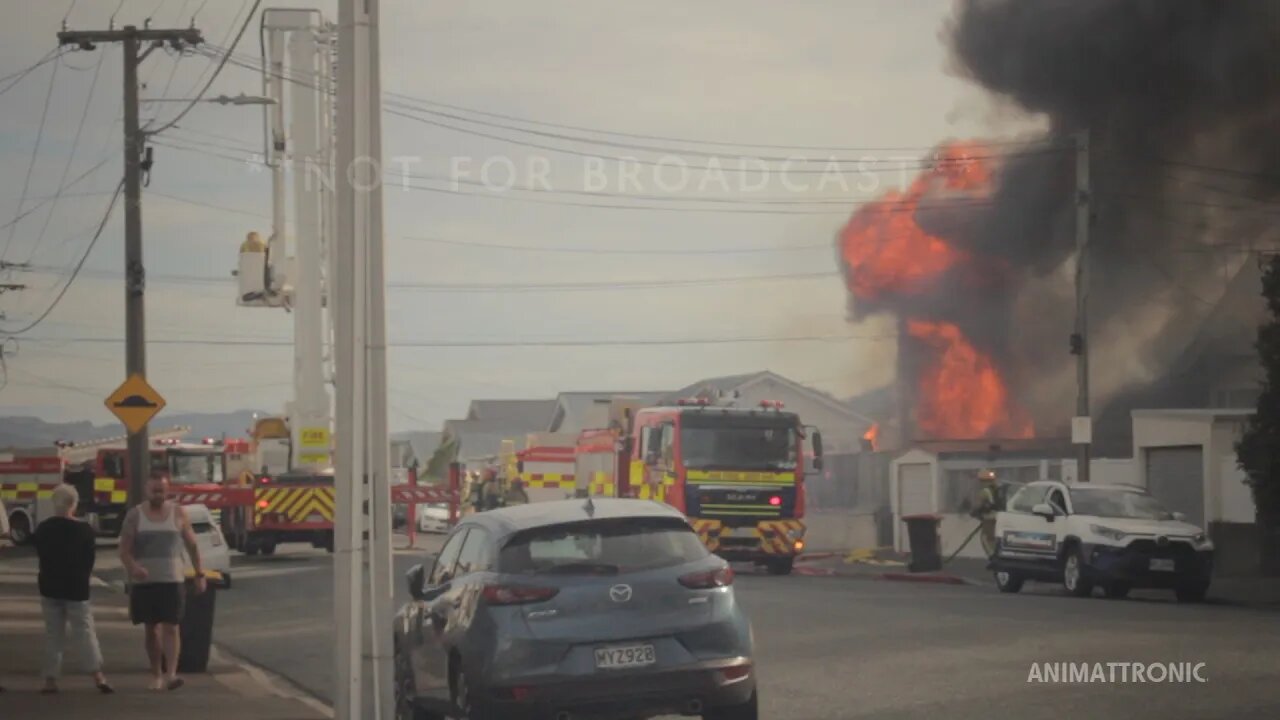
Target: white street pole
[378,450]
[349,343]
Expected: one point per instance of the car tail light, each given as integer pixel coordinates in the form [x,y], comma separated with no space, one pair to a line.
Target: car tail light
[722,577]
[517,594]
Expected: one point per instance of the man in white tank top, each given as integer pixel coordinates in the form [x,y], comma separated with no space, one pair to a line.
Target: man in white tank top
[151,548]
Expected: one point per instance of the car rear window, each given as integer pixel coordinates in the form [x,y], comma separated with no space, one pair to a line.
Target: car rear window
[603,547]
[202,527]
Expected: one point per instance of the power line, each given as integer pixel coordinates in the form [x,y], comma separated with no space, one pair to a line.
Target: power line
[845,206]
[35,151]
[1232,172]
[671,138]
[49,198]
[518,287]
[214,76]
[71,156]
[75,272]
[181,55]
[616,251]
[252,64]
[474,344]
[402,109]
[20,74]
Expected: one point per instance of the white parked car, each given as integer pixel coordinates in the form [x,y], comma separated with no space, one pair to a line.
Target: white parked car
[433,518]
[1114,536]
[213,546]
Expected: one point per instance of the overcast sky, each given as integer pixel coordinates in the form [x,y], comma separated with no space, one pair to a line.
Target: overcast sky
[828,74]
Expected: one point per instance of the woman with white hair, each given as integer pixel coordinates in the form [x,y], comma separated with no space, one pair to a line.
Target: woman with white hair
[66,547]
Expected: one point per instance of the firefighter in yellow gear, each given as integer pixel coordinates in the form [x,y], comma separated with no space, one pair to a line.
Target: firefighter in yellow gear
[988,506]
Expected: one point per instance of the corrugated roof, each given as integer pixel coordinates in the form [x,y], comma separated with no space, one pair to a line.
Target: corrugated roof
[524,412]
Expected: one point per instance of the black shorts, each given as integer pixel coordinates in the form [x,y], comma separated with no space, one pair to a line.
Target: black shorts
[157,603]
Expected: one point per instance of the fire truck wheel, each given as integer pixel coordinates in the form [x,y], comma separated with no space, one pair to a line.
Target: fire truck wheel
[269,548]
[19,529]
[251,549]
[781,566]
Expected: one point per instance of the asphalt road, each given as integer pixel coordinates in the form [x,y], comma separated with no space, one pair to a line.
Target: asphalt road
[831,647]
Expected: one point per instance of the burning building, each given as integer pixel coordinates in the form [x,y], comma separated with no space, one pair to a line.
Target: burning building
[975,257]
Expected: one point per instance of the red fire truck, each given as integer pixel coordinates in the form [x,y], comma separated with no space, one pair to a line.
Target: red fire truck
[737,473]
[98,471]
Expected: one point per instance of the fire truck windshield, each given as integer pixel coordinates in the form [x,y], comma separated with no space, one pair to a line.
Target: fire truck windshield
[195,468]
[739,447]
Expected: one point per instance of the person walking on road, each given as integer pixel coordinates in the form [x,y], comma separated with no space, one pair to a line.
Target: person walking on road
[151,545]
[66,548]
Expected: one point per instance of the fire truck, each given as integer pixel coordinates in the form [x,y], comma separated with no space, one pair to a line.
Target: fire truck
[98,470]
[262,501]
[737,473]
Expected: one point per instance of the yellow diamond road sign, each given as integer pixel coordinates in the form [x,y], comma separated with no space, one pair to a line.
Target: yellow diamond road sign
[135,403]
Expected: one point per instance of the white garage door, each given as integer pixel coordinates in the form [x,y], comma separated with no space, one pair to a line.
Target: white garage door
[915,489]
[1175,476]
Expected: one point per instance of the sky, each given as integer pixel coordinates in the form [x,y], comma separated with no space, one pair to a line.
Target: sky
[668,253]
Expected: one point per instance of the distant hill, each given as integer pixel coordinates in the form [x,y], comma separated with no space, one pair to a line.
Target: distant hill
[20,432]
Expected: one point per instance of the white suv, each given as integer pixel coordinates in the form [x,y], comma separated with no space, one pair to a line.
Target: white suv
[1115,536]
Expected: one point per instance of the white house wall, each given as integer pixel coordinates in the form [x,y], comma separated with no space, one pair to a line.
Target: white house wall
[1226,497]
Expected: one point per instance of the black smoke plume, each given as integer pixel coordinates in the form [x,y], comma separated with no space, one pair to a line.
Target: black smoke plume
[1182,102]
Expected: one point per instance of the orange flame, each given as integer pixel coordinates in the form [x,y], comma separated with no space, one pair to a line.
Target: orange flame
[886,251]
[886,254]
[872,436]
[962,395]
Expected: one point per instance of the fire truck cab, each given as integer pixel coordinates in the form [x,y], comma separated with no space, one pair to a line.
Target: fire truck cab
[736,473]
[186,464]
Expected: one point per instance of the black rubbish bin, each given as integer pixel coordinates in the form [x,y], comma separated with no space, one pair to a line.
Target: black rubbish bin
[196,629]
[926,544]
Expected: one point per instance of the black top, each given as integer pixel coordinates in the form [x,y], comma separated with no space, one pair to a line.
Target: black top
[67,550]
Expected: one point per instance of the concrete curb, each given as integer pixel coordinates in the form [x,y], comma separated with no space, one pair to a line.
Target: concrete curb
[275,683]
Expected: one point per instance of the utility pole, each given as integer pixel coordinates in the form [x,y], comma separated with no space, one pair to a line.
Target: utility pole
[362,523]
[139,464]
[1081,426]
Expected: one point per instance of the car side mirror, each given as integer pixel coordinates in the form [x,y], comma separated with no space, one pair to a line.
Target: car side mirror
[1044,510]
[1179,516]
[416,579]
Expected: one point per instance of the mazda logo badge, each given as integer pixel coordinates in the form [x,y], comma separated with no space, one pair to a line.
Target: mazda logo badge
[1162,541]
[620,593]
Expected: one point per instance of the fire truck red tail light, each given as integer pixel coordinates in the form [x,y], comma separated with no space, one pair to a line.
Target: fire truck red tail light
[775,501]
[263,504]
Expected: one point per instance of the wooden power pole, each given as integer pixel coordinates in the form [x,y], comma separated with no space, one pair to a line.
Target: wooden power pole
[133,40]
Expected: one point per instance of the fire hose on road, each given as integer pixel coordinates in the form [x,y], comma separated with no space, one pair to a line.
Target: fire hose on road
[964,544]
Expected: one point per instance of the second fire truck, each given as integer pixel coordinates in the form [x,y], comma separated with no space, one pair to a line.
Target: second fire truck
[737,473]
